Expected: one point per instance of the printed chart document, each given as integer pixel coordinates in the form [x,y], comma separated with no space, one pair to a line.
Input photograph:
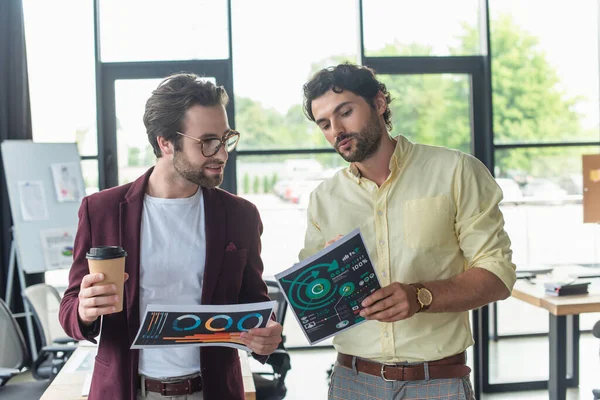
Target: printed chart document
[68,182]
[325,291]
[33,201]
[58,247]
[200,325]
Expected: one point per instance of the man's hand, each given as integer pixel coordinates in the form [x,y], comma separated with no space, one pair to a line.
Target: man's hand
[265,340]
[96,300]
[392,303]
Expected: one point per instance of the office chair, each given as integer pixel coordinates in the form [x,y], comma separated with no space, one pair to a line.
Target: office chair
[13,358]
[271,385]
[596,333]
[44,301]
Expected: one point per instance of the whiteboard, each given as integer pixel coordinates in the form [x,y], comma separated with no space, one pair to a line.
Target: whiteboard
[45,188]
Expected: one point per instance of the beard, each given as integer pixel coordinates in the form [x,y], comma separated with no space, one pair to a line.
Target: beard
[367,141]
[195,173]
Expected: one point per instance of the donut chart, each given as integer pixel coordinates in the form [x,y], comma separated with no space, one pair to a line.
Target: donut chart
[178,328]
[325,291]
[313,288]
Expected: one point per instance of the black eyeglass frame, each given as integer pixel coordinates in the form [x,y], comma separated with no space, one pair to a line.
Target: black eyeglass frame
[225,138]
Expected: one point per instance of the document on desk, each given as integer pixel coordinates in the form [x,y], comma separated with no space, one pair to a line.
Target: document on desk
[81,361]
[325,291]
[200,325]
[85,390]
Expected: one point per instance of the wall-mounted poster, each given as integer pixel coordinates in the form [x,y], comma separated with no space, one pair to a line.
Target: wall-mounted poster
[33,201]
[57,245]
[68,183]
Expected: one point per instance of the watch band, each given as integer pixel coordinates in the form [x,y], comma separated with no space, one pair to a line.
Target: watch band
[418,287]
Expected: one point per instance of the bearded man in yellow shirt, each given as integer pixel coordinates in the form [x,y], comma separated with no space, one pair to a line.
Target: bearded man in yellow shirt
[431,222]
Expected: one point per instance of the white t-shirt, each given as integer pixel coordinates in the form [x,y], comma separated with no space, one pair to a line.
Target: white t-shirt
[172,254]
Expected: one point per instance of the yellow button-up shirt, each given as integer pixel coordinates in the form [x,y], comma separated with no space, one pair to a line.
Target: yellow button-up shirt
[434,217]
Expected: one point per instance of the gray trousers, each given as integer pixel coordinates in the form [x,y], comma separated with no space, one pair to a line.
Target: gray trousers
[347,384]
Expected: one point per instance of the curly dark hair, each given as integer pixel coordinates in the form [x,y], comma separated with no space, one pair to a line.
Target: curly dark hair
[357,79]
[166,107]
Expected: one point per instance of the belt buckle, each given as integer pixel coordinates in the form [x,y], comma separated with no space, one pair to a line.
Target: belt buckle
[163,388]
[383,372]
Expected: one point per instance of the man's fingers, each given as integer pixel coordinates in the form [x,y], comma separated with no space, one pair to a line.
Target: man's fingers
[259,340]
[274,330]
[394,318]
[388,313]
[263,340]
[99,301]
[260,348]
[90,279]
[375,297]
[381,305]
[98,290]
[91,314]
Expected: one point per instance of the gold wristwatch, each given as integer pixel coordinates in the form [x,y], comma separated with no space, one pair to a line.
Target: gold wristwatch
[424,296]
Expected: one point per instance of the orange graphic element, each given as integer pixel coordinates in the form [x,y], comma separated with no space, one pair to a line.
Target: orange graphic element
[208,338]
[153,320]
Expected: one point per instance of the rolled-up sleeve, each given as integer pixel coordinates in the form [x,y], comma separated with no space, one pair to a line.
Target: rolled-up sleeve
[313,239]
[479,222]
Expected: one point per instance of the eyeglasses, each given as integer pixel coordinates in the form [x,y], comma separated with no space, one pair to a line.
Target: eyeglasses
[211,146]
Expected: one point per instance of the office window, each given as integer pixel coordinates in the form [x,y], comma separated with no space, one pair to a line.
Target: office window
[159,30]
[268,78]
[421,28]
[60,62]
[545,80]
[280,187]
[305,37]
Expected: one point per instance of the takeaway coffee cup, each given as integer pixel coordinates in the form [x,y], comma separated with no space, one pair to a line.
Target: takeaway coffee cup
[110,261]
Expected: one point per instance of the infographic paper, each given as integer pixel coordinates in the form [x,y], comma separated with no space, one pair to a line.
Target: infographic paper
[325,291]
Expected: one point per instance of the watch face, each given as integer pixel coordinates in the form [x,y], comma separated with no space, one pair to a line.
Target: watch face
[425,297]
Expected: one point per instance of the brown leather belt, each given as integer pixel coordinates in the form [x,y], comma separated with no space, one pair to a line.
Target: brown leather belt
[446,368]
[174,388]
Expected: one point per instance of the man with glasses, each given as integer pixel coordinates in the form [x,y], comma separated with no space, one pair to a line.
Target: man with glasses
[188,243]
[431,221]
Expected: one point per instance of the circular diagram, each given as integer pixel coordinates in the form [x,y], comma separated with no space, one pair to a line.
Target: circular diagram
[342,324]
[312,288]
[228,323]
[240,324]
[318,288]
[347,289]
[196,324]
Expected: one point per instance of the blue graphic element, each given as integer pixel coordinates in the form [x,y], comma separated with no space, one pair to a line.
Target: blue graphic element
[240,324]
[177,328]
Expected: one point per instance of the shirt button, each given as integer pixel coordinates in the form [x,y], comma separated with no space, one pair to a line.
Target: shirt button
[379,212]
[382,242]
[383,274]
[385,334]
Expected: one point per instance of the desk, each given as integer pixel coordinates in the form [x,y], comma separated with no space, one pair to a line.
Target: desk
[67,385]
[563,332]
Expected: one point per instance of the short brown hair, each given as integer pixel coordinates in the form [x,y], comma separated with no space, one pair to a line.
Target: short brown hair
[357,79]
[166,107]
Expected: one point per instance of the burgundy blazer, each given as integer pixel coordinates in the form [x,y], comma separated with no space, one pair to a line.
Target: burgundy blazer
[113,217]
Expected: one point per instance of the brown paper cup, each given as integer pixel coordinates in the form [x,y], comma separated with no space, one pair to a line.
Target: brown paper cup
[110,261]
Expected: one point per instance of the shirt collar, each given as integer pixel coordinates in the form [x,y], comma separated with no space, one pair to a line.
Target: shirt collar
[401,152]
